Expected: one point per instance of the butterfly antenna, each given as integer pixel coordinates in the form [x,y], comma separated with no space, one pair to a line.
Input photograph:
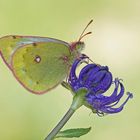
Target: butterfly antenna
[82,34]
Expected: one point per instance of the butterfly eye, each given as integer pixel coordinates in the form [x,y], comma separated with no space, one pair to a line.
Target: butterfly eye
[37,59]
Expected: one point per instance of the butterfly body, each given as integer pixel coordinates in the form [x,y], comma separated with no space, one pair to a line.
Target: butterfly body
[38,63]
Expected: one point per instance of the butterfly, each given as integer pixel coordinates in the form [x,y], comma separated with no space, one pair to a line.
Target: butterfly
[40,63]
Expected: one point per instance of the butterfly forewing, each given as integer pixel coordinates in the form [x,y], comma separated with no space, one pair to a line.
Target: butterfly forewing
[9,44]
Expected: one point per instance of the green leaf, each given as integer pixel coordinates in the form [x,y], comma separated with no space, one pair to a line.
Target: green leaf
[70,133]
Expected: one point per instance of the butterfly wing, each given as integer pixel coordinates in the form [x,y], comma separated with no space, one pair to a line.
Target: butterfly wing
[9,44]
[39,67]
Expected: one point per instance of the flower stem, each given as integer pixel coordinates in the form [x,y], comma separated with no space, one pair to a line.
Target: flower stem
[58,127]
[77,102]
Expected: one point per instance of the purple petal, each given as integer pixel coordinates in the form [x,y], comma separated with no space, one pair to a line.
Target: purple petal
[73,76]
[103,81]
[73,79]
[115,97]
[85,72]
[111,110]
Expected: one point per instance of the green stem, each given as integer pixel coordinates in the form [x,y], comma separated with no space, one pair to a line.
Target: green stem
[78,101]
[58,127]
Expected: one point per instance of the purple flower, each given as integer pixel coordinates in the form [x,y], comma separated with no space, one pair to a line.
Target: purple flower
[97,80]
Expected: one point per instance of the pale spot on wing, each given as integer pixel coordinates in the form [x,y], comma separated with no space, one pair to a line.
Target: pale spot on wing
[37,59]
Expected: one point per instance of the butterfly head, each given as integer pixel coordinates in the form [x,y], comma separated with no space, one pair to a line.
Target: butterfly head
[77,46]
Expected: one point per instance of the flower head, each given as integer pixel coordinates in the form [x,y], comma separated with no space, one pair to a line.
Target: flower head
[97,80]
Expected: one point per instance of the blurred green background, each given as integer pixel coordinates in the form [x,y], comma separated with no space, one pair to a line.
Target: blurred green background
[115,42]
